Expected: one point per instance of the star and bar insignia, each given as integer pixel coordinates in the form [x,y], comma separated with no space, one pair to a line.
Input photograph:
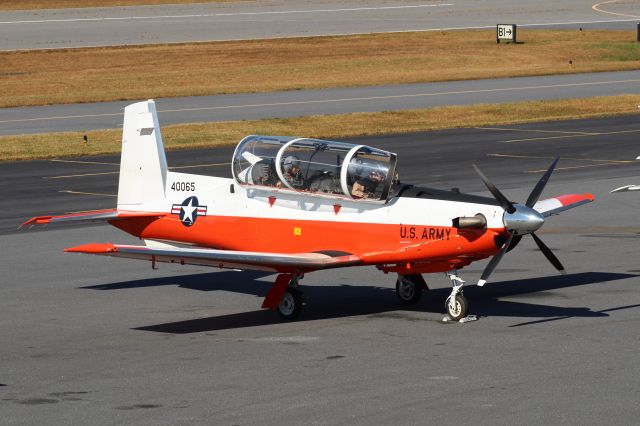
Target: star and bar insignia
[189,211]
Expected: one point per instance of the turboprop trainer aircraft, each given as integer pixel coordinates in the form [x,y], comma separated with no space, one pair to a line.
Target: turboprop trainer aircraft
[297,205]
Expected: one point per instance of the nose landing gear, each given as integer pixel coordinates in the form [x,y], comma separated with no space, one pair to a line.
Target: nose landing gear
[456,305]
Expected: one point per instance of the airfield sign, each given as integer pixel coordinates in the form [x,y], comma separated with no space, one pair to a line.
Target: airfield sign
[506,32]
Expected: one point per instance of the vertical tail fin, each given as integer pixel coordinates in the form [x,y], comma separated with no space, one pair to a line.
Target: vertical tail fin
[143,165]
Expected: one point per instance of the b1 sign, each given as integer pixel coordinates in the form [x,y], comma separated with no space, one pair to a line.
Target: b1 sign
[506,32]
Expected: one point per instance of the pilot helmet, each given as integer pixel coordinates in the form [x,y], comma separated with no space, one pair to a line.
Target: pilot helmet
[289,162]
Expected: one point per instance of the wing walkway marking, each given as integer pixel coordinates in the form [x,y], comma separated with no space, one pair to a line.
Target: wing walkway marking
[211,15]
[364,98]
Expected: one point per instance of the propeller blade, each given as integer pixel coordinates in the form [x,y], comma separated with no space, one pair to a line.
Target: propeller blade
[549,254]
[504,202]
[537,190]
[515,242]
[494,262]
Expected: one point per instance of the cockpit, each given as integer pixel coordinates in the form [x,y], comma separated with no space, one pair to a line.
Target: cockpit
[314,166]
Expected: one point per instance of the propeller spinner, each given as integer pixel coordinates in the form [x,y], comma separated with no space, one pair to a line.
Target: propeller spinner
[520,220]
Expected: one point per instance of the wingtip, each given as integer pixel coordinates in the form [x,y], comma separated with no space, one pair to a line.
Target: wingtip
[92,248]
[481,283]
[38,220]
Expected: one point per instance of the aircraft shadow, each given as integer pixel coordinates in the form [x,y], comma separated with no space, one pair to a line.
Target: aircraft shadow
[337,301]
[235,281]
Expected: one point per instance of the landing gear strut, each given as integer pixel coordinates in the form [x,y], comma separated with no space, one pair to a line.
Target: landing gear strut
[285,297]
[409,288]
[456,304]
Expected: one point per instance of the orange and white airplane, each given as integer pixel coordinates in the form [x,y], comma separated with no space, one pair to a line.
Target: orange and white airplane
[297,205]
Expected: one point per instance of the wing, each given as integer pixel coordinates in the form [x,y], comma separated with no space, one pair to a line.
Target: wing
[279,262]
[558,204]
[96,215]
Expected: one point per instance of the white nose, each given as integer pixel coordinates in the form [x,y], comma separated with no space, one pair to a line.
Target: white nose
[524,220]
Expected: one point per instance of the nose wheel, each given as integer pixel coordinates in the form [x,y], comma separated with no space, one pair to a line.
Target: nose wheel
[456,305]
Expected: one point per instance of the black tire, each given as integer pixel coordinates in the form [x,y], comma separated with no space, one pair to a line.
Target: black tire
[408,291]
[460,310]
[290,305]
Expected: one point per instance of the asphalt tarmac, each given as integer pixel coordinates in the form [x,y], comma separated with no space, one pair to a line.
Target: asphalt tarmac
[298,103]
[64,28]
[108,341]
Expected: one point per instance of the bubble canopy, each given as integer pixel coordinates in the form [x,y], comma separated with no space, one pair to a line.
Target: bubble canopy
[315,167]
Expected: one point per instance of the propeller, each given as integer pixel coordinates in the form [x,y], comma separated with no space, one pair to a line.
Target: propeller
[520,220]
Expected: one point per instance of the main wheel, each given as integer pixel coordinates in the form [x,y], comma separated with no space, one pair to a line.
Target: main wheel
[408,291]
[291,304]
[459,308]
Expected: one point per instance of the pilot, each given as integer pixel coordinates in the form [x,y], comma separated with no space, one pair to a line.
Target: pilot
[292,173]
[263,173]
[367,187]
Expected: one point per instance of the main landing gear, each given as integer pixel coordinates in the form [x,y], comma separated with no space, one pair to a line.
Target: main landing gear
[290,304]
[285,296]
[409,288]
[456,304]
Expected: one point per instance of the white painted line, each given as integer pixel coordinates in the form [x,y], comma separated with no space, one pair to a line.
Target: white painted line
[572,167]
[506,129]
[569,136]
[596,7]
[113,173]
[564,158]
[337,100]
[211,15]
[67,191]
[62,117]
[80,175]
[83,162]
[197,166]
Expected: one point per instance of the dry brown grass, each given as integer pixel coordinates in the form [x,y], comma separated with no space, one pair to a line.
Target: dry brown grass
[155,71]
[29,147]
[62,4]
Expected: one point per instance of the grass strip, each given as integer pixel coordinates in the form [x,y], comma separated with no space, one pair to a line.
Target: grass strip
[63,4]
[157,71]
[203,135]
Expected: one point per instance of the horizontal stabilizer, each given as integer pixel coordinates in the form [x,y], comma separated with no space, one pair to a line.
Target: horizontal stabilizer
[92,216]
[279,262]
[558,204]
